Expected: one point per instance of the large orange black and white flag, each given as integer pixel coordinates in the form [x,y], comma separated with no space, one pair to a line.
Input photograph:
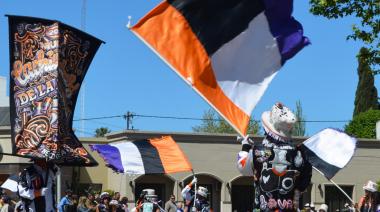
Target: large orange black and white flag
[227,50]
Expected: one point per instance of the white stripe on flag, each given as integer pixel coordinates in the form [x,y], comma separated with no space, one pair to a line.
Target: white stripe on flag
[332,146]
[130,158]
[10,185]
[246,65]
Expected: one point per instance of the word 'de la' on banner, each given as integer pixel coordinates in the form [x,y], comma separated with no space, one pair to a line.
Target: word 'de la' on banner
[228,51]
[48,62]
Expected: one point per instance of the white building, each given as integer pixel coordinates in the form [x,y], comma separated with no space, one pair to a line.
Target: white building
[4,99]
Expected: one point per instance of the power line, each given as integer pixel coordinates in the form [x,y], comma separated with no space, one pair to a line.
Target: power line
[191,118]
[102,117]
[175,117]
[107,124]
[201,119]
[342,121]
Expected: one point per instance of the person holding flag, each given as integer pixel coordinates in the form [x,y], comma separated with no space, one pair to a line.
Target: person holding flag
[195,200]
[36,186]
[278,166]
[283,170]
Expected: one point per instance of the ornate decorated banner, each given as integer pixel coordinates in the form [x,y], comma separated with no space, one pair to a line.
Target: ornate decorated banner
[48,62]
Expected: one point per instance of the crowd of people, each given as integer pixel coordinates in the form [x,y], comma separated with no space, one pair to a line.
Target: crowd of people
[35,191]
[194,199]
[104,202]
[370,202]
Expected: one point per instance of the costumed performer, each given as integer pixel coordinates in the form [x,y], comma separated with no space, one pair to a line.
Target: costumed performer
[278,165]
[201,203]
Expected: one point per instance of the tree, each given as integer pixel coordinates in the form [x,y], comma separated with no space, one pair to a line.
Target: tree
[100,132]
[300,127]
[214,123]
[366,92]
[363,125]
[367,11]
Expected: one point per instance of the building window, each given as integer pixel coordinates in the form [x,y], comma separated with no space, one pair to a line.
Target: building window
[335,199]
[242,197]
[85,188]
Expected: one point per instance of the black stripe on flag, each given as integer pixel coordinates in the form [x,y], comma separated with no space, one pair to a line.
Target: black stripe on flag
[327,169]
[217,22]
[150,157]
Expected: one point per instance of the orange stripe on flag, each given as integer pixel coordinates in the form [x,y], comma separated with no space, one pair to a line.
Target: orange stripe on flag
[166,31]
[172,157]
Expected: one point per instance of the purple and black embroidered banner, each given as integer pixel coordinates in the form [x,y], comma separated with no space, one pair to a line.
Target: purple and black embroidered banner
[48,62]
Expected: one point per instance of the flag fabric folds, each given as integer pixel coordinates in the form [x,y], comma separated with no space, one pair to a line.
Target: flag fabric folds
[227,50]
[329,151]
[48,62]
[11,183]
[153,156]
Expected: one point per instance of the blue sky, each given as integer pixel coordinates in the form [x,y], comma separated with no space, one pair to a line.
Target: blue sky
[126,76]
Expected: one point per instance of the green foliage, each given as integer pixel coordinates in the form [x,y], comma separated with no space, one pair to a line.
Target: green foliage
[214,123]
[100,132]
[378,186]
[364,124]
[367,11]
[366,92]
[300,127]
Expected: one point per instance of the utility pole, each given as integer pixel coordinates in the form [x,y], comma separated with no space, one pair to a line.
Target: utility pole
[83,87]
[82,116]
[83,15]
[129,118]
[76,179]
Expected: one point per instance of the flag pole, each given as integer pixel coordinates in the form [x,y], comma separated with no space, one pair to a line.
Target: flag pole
[195,191]
[340,189]
[186,81]
[59,182]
